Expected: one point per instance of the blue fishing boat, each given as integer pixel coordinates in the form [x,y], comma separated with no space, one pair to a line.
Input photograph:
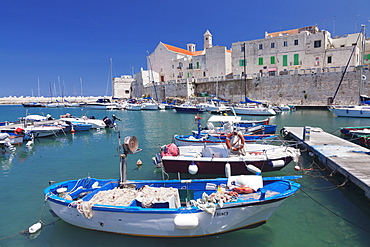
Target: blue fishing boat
[167,208]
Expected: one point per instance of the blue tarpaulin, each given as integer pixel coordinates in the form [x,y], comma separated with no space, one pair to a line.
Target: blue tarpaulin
[249,101]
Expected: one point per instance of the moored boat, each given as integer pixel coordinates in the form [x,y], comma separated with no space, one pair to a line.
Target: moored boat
[168,208]
[213,159]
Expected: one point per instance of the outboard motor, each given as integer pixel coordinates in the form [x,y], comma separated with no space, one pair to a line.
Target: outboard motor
[108,122]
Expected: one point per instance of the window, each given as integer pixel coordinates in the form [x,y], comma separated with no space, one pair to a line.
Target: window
[243,62]
[285,60]
[272,60]
[198,65]
[188,75]
[260,46]
[190,66]
[296,59]
[272,45]
[329,59]
[296,42]
[242,48]
[260,61]
[317,44]
[285,43]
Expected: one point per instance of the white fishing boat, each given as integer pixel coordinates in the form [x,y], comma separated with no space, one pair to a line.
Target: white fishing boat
[168,208]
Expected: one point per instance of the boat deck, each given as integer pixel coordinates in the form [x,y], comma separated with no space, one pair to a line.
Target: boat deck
[350,159]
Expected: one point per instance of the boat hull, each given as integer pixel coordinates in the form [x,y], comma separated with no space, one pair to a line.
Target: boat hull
[216,166]
[185,140]
[247,211]
[360,112]
[160,224]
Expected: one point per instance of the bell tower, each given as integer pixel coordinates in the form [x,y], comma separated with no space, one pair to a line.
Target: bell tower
[207,40]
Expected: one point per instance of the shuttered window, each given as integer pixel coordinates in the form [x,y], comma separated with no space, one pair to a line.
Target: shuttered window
[243,62]
[296,59]
[260,61]
[285,60]
[272,60]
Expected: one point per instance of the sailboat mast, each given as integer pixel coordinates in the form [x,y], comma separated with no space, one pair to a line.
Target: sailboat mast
[362,60]
[38,85]
[153,82]
[109,78]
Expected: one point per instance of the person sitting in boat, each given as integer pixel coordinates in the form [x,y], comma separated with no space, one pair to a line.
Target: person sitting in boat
[5,139]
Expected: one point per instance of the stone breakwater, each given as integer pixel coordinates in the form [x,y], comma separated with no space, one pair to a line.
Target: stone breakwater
[13,100]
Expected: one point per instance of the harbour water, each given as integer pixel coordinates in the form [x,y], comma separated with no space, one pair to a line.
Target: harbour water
[322,213]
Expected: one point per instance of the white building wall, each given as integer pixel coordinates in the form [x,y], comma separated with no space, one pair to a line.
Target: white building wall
[302,45]
[122,86]
[217,61]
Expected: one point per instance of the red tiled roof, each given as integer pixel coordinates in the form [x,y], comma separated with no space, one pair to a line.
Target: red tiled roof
[186,52]
[178,50]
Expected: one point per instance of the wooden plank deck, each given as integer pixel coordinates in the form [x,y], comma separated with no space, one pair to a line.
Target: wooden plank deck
[350,159]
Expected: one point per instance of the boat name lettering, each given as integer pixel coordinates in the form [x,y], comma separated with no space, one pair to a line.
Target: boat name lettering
[222,214]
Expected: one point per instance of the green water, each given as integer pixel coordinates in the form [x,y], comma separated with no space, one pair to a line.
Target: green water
[319,215]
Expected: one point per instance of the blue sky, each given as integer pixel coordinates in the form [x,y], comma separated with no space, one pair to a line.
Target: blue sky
[70,40]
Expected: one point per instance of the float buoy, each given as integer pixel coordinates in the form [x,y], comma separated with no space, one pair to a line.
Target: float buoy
[35,227]
[139,162]
[253,169]
[192,168]
[227,169]
[297,168]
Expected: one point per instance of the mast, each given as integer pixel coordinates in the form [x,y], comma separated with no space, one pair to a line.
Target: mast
[109,77]
[362,77]
[345,69]
[153,82]
[245,73]
[38,86]
[81,86]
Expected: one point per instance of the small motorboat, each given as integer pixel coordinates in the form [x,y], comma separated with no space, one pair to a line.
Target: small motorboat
[168,208]
[214,159]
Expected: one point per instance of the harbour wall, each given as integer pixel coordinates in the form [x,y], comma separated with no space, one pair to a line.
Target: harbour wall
[312,89]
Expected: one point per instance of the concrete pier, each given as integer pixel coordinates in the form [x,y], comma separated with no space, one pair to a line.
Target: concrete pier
[345,157]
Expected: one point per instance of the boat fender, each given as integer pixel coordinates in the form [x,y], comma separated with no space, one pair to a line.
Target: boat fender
[235,146]
[277,163]
[227,169]
[253,169]
[35,227]
[193,168]
[186,221]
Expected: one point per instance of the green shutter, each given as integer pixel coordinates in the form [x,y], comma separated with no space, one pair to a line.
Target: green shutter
[260,61]
[272,60]
[188,74]
[285,60]
[296,59]
[197,65]
[243,62]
